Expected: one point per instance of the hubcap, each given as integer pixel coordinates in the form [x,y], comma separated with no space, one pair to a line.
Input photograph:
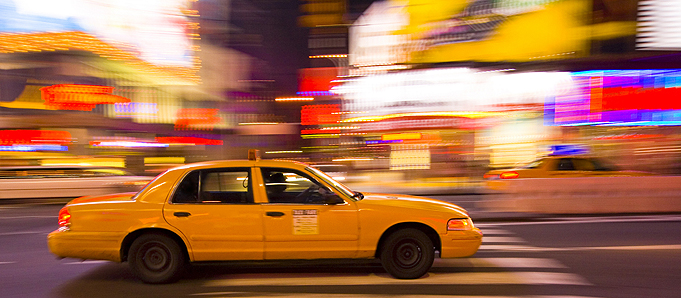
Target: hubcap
[156,257]
[407,254]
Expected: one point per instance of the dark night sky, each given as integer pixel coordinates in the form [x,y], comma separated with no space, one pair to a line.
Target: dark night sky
[288,51]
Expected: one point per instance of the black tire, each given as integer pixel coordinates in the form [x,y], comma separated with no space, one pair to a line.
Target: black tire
[407,254]
[156,259]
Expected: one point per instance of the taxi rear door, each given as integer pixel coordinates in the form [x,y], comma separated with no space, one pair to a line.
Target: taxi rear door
[215,210]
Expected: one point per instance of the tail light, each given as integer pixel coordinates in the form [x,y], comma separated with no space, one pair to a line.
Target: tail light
[509,175]
[64,218]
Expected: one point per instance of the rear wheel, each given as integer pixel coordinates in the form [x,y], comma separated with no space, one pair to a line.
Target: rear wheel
[407,254]
[155,259]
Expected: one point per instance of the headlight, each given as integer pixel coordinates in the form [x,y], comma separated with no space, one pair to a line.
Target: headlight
[460,224]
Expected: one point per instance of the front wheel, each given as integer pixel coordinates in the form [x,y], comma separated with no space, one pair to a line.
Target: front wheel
[407,254]
[156,259]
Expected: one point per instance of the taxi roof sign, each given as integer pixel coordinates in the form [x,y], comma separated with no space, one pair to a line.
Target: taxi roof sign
[253,154]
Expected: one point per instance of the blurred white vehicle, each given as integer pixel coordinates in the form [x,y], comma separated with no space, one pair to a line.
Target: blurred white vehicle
[66,181]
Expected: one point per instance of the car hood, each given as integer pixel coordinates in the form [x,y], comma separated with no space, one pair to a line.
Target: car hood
[407,201]
[104,198]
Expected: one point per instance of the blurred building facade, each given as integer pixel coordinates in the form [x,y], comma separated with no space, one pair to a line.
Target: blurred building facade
[453,88]
[441,89]
[193,80]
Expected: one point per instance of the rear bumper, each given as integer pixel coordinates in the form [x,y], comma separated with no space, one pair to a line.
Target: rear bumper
[68,244]
[460,243]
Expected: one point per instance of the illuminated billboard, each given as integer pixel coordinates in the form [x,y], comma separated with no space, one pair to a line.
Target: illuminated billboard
[496,30]
[157,32]
[659,23]
[453,92]
[618,98]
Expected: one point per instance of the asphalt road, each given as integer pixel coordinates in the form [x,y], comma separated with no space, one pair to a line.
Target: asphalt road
[611,256]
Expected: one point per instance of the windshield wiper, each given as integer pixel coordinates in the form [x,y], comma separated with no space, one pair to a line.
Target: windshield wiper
[358,195]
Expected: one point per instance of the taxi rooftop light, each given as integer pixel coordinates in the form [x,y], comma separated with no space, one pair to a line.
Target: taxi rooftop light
[253,154]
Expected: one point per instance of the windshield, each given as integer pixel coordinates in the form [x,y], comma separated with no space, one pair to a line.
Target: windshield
[339,186]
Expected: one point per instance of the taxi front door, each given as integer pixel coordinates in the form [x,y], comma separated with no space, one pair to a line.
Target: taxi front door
[309,230]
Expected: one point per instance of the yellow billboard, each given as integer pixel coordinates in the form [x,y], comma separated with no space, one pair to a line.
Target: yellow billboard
[496,30]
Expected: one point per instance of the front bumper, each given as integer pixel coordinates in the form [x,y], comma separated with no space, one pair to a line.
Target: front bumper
[458,244]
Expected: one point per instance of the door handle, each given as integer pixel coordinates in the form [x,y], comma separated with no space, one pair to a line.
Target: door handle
[275,213]
[182,214]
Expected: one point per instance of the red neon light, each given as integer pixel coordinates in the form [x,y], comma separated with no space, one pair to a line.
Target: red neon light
[188,141]
[317,79]
[637,98]
[199,119]
[34,137]
[317,131]
[320,114]
[79,97]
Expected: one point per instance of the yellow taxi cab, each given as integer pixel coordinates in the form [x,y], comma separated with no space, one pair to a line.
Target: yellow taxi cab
[259,210]
[558,166]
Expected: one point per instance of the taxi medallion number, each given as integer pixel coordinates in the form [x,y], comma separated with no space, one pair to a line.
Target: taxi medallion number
[305,222]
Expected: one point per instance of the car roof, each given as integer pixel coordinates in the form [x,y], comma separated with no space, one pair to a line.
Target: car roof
[245,163]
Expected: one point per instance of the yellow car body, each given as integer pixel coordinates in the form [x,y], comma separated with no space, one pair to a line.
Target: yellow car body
[232,215]
[557,166]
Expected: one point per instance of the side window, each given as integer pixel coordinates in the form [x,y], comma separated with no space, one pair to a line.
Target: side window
[291,186]
[188,189]
[601,165]
[228,185]
[565,164]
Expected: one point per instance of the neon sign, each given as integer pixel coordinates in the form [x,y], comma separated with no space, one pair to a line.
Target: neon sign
[79,97]
[618,98]
[34,137]
[199,119]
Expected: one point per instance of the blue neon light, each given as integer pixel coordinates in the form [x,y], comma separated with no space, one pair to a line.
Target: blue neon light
[33,148]
[314,93]
[376,142]
[568,149]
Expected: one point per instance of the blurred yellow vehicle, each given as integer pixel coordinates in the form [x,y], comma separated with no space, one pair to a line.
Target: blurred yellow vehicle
[259,210]
[558,166]
[24,182]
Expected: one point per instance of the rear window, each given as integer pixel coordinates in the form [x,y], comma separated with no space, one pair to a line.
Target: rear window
[534,164]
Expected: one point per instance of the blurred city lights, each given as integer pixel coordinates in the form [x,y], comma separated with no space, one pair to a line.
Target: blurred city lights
[294,99]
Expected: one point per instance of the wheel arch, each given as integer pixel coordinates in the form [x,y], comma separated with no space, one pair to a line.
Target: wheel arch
[426,229]
[130,238]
